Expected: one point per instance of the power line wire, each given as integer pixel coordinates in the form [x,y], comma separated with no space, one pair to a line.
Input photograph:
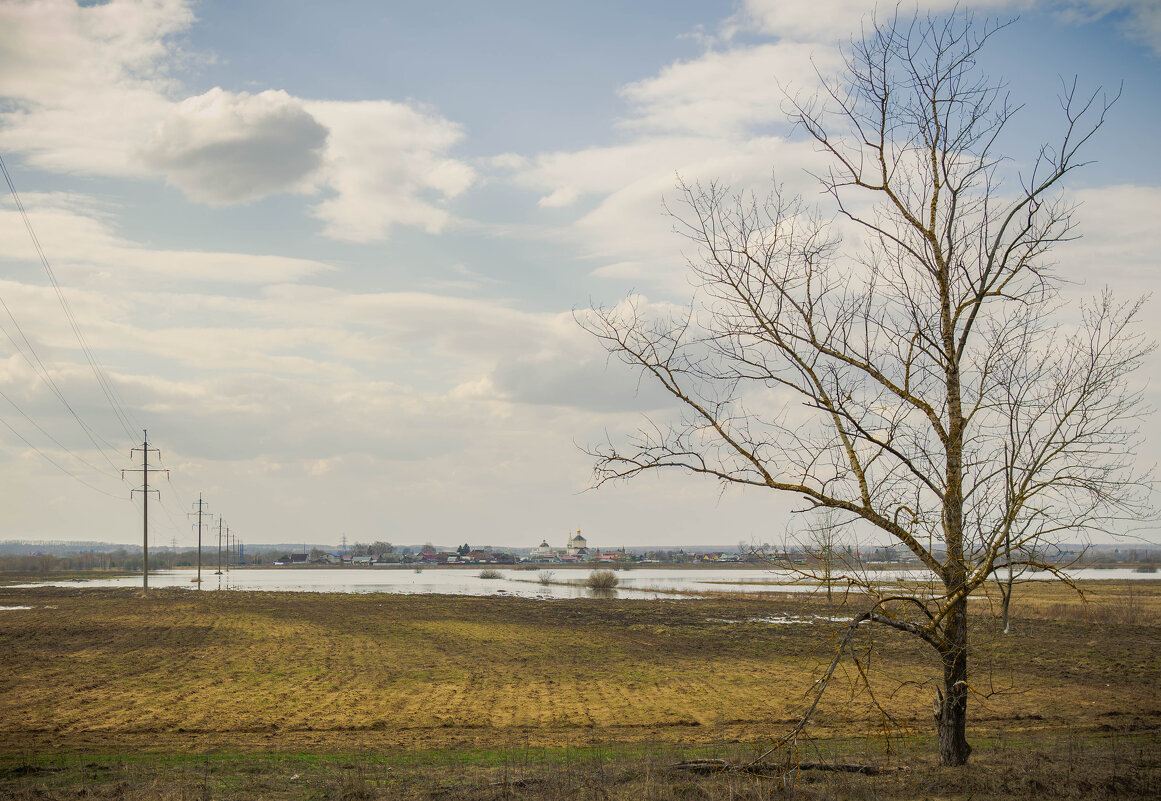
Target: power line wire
[29,354]
[54,463]
[98,371]
[41,371]
[57,442]
[173,487]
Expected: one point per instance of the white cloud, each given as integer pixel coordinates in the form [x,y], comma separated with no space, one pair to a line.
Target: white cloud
[222,147]
[54,50]
[627,229]
[835,20]
[715,117]
[1140,20]
[85,82]
[388,165]
[90,92]
[83,246]
[565,177]
[727,93]
[650,166]
[719,117]
[1119,240]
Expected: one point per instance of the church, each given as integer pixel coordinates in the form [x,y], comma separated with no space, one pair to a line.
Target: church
[577,546]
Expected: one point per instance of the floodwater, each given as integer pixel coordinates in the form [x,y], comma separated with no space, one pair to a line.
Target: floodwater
[637,583]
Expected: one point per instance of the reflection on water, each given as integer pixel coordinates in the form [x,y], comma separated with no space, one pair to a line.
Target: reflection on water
[522,583]
[516,583]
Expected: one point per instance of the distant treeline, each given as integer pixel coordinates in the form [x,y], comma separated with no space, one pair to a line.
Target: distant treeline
[57,548]
[119,560]
[123,560]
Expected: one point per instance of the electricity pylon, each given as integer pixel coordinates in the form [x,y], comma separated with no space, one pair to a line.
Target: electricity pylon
[144,470]
[200,504]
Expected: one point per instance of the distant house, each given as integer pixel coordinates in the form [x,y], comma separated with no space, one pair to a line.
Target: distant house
[616,556]
[298,559]
[362,560]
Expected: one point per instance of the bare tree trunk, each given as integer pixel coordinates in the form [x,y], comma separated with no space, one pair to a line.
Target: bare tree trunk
[1006,599]
[951,709]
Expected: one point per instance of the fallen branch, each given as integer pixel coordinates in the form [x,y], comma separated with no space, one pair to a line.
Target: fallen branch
[519,784]
[704,766]
[866,770]
[712,766]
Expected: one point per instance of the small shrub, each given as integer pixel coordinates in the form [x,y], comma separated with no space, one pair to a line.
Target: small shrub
[602,580]
[545,576]
[491,574]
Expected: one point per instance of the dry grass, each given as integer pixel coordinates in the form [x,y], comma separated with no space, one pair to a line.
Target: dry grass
[422,671]
[299,675]
[1122,602]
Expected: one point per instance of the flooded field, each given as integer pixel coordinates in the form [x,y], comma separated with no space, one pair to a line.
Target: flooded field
[547,583]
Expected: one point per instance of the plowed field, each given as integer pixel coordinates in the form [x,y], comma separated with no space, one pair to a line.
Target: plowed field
[108,670]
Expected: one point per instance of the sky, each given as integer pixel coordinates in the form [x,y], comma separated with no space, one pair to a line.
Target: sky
[329,254]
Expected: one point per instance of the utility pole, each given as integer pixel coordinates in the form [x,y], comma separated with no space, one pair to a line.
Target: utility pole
[219,547]
[144,470]
[200,504]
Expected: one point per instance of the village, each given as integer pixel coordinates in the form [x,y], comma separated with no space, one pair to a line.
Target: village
[575,551]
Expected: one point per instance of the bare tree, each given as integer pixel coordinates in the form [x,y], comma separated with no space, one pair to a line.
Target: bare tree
[1019,565]
[925,378]
[821,543]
